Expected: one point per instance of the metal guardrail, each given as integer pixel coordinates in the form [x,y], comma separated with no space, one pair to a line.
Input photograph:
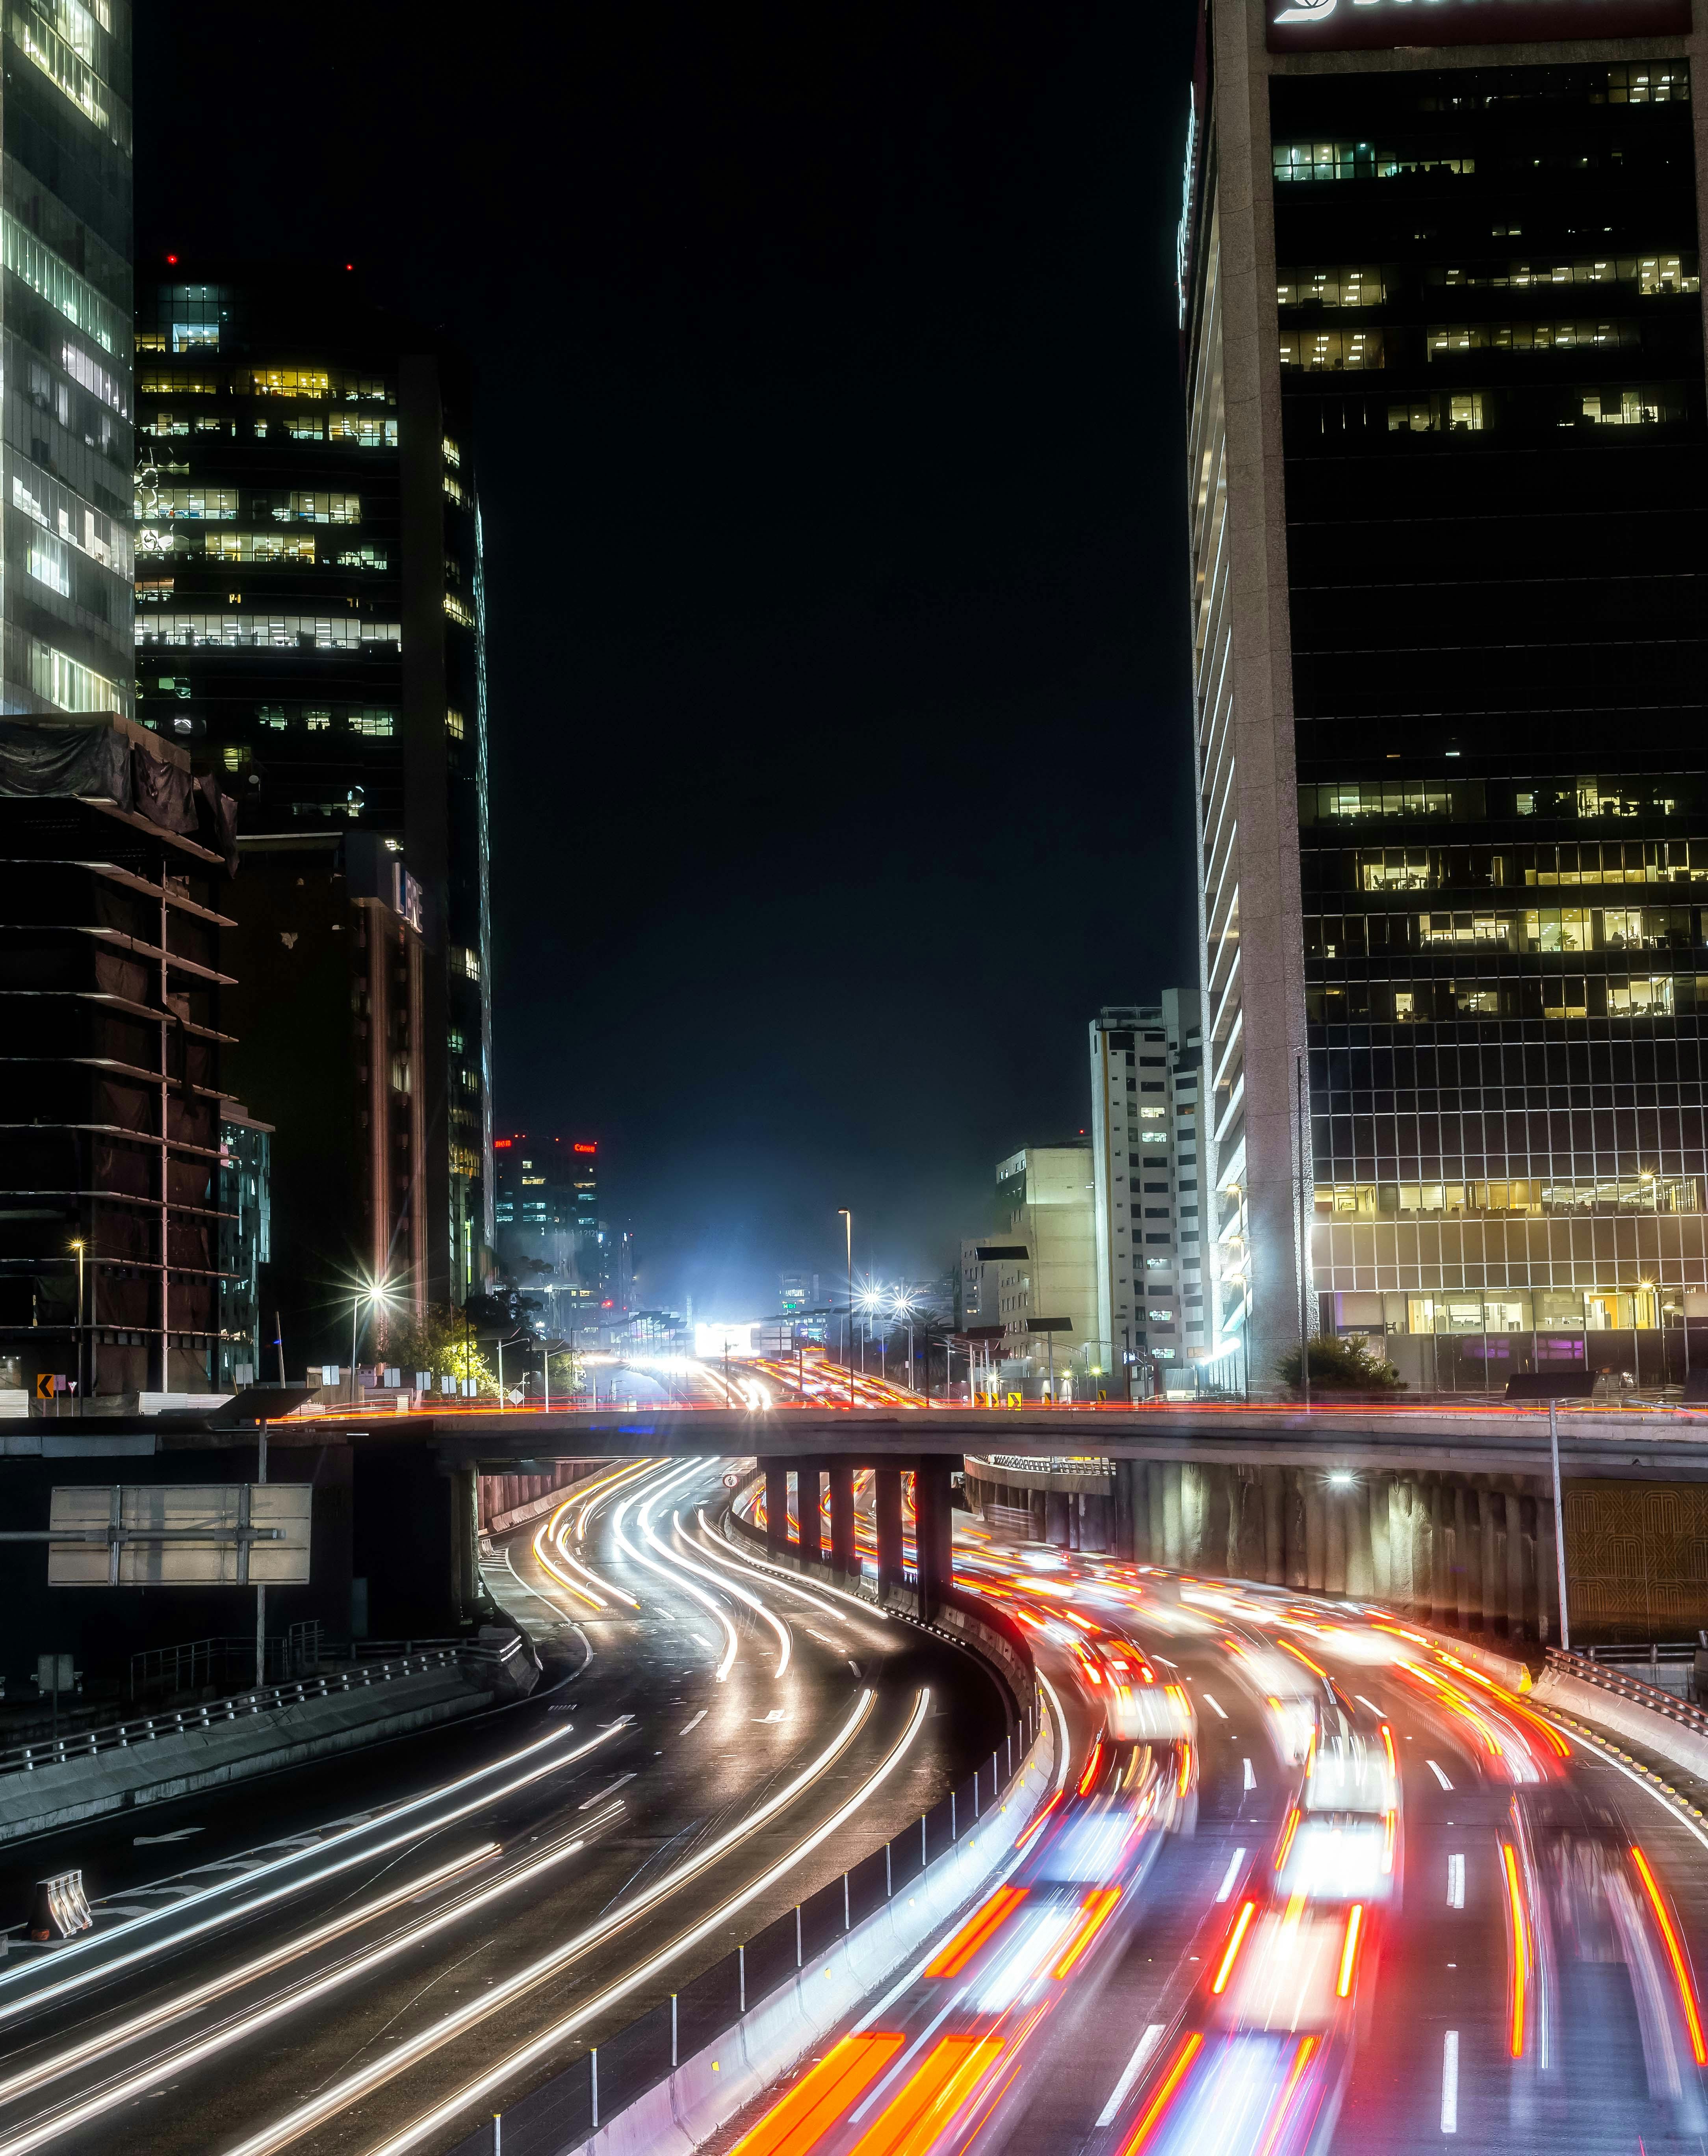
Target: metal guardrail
[267,1699]
[1610,1679]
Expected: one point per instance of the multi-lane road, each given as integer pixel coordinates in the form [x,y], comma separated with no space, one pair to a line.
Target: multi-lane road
[377,1953]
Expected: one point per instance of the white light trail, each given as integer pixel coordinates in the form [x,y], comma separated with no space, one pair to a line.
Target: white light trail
[1437,1771]
[436,2120]
[1129,2073]
[343,2092]
[1230,1875]
[1455,1882]
[619,1520]
[784,1642]
[1450,2082]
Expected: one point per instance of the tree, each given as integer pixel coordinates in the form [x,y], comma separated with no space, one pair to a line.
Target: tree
[1350,1365]
[440,1343]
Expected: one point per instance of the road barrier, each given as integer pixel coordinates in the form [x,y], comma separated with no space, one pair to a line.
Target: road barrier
[665,2082]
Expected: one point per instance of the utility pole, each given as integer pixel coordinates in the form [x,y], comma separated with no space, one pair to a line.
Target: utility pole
[261,1585]
[848,1217]
[1559,1523]
[1303,1250]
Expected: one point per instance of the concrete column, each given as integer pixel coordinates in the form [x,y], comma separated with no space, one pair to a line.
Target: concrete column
[887,1516]
[1298,1531]
[1546,1572]
[1467,1556]
[1361,1572]
[1492,1504]
[934,1527]
[1336,1506]
[1424,1539]
[1055,1517]
[776,1507]
[1443,1593]
[1038,1501]
[465,1546]
[1399,1542]
[1377,1529]
[1122,1526]
[1530,1564]
[1221,1495]
[1174,1547]
[842,1519]
[1249,1561]
[1275,1527]
[1156,1477]
[810,1501]
[1194,1499]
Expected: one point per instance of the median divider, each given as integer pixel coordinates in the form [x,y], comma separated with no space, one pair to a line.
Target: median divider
[666,2083]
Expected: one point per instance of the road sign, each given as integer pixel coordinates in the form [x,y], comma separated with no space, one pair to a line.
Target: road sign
[44,1385]
[55,1673]
[732,1482]
[234,1534]
[515,1396]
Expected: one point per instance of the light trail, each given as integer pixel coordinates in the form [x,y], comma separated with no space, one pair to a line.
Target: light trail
[785,1639]
[806,1594]
[102,1971]
[619,1520]
[171,2010]
[337,2096]
[66,2118]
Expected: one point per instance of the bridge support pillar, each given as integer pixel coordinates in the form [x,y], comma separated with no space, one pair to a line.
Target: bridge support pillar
[842,1519]
[1336,1505]
[1171,1547]
[1356,1507]
[776,1507]
[1297,1530]
[1123,1541]
[810,1510]
[934,1528]
[1155,1513]
[887,1495]
[1275,1570]
[1377,1530]
[1315,1531]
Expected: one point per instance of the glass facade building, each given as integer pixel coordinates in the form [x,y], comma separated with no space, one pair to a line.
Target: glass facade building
[311,620]
[1442,330]
[65,347]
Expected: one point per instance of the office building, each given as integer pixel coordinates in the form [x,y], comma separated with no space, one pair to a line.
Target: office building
[245,1246]
[310,620]
[65,345]
[328,1000]
[114,866]
[1152,1310]
[1034,1274]
[549,1235]
[1442,334]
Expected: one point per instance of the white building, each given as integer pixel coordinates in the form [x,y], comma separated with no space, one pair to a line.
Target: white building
[1145,1147]
[1035,1276]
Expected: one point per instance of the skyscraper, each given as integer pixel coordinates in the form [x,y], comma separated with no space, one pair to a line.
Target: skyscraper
[66,350]
[1145,1148]
[1442,339]
[311,619]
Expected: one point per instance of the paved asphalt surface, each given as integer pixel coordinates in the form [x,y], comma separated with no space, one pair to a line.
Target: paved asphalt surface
[332,1970]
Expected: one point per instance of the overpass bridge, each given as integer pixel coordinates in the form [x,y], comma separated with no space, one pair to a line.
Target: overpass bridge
[1444,1511]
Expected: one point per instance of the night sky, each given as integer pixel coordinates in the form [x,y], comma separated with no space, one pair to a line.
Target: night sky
[830,452]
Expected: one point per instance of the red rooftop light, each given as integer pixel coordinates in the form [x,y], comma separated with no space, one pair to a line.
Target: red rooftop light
[171,258]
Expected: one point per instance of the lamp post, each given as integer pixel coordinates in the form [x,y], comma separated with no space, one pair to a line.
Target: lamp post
[78,1246]
[848,1217]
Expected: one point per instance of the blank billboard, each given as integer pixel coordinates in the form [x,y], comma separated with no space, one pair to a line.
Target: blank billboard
[204,1522]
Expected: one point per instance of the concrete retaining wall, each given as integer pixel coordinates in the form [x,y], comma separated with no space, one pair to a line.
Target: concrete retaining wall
[707,2091]
[1624,1718]
[35,1800]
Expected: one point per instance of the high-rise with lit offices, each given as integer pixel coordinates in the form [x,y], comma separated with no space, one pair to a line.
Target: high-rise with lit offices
[67,355]
[1442,336]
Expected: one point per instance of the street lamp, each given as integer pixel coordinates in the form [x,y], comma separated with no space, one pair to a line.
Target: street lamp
[78,1246]
[848,1217]
[903,1307]
[370,1295]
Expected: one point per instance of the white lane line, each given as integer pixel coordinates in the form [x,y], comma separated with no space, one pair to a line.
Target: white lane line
[695,1724]
[1215,1705]
[1250,1779]
[1370,1703]
[1226,1885]
[602,1795]
[1437,1773]
[1455,1882]
[1450,2082]
[1131,2072]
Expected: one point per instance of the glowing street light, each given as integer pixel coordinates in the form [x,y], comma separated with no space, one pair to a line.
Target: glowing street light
[369,1295]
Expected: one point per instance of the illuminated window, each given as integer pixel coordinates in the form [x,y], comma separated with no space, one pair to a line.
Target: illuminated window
[1346,287]
[1361,160]
[1460,413]
[173,383]
[235,757]
[155,503]
[366,434]
[256,545]
[303,508]
[68,686]
[1443,341]
[374,725]
[1334,351]
[271,716]
[362,558]
[316,720]
[48,563]
[459,610]
[289,381]
[1649,82]
[278,631]
[92,377]
[453,725]
[453,488]
[1633,408]
[304,427]
[1654,275]
[63,54]
[453,454]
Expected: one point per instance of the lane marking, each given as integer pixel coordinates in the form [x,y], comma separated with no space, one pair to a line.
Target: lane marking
[695,1724]
[1450,2082]
[1455,1882]
[1226,1885]
[1437,1773]
[1129,2073]
[1215,1705]
[1370,1703]
[602,1795]
[1250,1779]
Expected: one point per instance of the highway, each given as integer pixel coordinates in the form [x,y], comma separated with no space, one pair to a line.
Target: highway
[1371,1900]
[364,1951]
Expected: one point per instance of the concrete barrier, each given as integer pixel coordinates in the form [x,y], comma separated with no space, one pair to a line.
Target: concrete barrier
[707,2091]
[35,1800]
[1638,1725]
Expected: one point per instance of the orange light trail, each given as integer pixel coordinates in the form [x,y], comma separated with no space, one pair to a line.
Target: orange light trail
[1242,1924]
[976,1932]
[1098,1907]
[1091,1766]
[912,2122]
[1277,2119]
[1349,1953]
[1520,1949]
[820,2097]
[1298,1654]
[1165,2094]
[1675,1955]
